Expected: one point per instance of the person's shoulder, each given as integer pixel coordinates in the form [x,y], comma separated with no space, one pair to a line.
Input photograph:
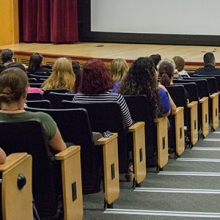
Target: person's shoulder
[39,115]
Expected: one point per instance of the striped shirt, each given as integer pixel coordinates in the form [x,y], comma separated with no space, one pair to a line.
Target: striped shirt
[107,97]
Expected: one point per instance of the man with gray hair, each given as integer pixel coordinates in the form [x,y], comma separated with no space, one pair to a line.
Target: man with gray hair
[209,66]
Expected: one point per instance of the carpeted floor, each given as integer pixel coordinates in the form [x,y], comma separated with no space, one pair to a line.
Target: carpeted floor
[187,188]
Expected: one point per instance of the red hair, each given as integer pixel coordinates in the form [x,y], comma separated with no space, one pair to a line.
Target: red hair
[96,78]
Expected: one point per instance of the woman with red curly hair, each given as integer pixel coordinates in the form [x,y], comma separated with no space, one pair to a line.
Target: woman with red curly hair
[95,85]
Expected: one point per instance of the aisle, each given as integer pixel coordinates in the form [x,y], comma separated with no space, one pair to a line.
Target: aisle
[187,188]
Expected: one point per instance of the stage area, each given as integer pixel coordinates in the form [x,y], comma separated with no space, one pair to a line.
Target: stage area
[193,55]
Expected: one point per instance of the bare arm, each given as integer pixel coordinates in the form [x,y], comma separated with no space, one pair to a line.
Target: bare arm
[172,104]
[57,143]
[2,156]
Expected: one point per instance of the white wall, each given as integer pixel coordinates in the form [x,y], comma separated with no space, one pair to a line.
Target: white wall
[194,17]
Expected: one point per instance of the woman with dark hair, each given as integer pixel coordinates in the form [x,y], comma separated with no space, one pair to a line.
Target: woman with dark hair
[95,85]
[156,58]
[141,79]
[35,64]
[77,71]
[13,93]
[166,73]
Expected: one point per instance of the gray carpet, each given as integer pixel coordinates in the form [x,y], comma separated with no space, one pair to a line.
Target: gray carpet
[187,188]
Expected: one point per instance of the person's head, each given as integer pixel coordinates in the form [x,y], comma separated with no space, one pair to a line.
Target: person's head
[7,55]
[18,65]
[13,85]
[209,58]
[118,69]
[141,79]
[76,67]
[96,78]
[35,62]
[62,75]
[156,58]
[180,63]
[166,72]
[171,61]
[2,67]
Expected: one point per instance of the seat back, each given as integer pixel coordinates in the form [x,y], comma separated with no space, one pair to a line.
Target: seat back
[34,96]
[103,117]
[192,90]
[28,136]
[217,78]
[202,85]
[140,111]
[46,92]
[212,83]
[39,104]
[75,128]
[177,92]
[56,98]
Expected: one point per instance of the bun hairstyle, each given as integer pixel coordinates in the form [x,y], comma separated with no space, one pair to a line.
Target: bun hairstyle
[13,83]
[165,73]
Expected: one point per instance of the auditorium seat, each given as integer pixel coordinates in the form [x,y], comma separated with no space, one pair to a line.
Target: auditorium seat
[155,136]
[52,175]
[75,128]
[16,187]
[107,117]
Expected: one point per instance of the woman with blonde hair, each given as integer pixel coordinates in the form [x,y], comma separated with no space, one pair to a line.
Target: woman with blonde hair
[62,76]
[118,69]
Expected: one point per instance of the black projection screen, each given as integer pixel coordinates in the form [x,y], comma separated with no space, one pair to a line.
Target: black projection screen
[192,22]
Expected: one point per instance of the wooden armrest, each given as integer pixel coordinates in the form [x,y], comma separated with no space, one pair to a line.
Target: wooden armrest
[203,99]
[68,152]
[213,95]
[178,110]
[192,104]
[156,120]
[136,126]
[11,160]
[104,140]
[111,170]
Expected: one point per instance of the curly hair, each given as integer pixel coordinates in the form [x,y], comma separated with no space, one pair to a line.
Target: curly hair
[62,76]
[96,78]
[141,79]
[165,73]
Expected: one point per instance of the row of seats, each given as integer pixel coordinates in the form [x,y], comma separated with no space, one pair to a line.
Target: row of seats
[160,148]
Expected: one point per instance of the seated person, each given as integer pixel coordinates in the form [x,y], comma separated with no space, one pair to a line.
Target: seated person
[209,66]
[166,73]
[7,57]
[62,76]
[156,58]
[118,69]
[180,64]
[95,86]
[141,79]
[77,71]
[21,66]
[35,64]
[13,93]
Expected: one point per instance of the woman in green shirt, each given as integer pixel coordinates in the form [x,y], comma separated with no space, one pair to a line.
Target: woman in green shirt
[13,92]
